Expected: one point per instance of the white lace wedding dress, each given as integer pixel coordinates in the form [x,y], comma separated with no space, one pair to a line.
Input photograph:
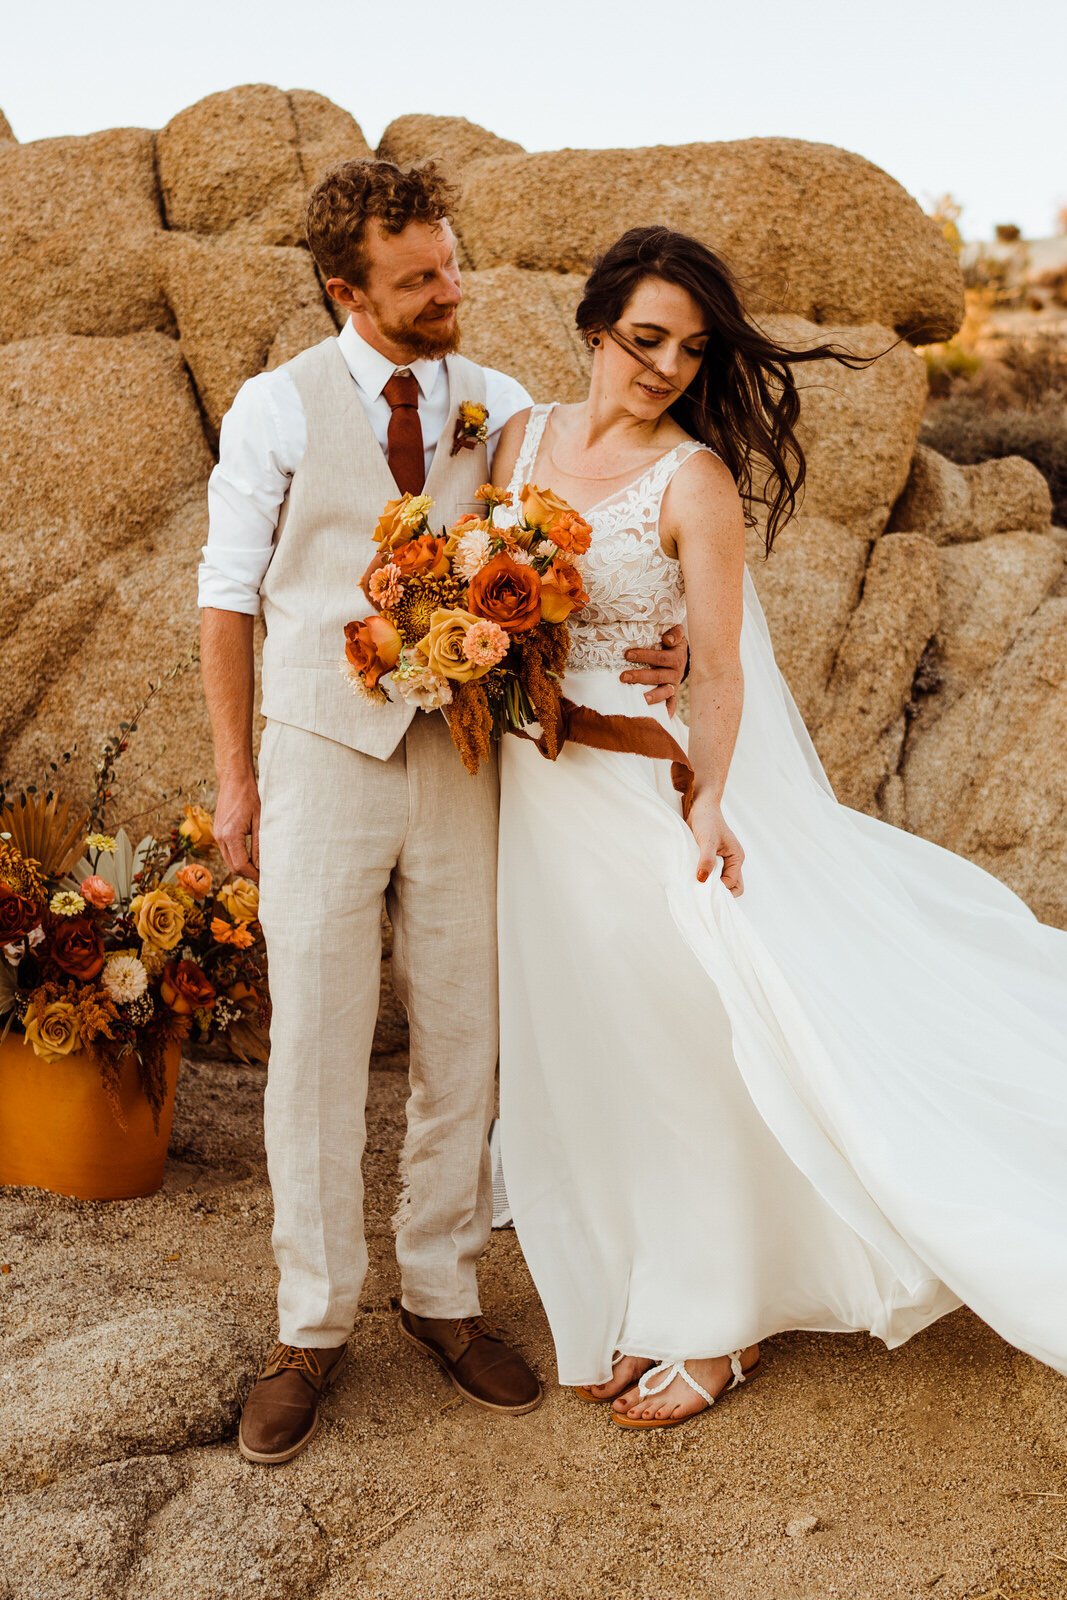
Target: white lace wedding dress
[838,1102]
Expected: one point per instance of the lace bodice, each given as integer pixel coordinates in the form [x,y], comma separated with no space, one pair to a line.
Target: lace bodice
[635,590]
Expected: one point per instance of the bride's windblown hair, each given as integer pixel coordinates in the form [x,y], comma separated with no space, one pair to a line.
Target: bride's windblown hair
[743,401]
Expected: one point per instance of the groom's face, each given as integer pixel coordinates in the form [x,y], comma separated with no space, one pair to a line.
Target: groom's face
[411,289]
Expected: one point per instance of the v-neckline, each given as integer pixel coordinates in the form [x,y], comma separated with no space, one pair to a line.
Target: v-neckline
[615,493]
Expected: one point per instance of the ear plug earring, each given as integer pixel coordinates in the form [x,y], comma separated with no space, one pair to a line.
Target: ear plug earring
[595,342]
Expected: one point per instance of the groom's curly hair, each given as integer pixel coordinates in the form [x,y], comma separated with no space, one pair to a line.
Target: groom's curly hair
[347,198]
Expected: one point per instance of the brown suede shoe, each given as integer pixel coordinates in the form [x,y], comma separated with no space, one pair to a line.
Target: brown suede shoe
[281,1414]
[482,1367]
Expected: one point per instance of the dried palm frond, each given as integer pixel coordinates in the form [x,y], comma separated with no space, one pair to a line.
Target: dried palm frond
[42,831]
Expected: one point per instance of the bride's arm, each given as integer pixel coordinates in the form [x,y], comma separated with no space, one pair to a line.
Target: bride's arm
[703,517]
[508,447]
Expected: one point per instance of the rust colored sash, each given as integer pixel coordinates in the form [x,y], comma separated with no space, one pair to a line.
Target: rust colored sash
[633,736]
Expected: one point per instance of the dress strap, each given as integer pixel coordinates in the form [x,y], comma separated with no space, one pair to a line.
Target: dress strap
[531,443]
[650,490]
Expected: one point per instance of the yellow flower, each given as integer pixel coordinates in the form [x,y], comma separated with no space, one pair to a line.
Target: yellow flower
[66,903]
[56,1034]
[159,919]
[101,841]
[472,415]
[443,647]
[411,512]
[241,899]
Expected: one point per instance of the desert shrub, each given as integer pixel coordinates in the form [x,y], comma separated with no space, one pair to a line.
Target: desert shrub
[944,363]
[965,430]
[1038,368]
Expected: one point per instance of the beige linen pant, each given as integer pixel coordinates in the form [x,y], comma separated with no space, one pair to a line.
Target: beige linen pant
[339,832]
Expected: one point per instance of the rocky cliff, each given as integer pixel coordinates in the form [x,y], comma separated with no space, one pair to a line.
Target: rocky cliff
[919,609]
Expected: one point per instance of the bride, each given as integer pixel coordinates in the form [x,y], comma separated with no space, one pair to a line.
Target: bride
[834,1101]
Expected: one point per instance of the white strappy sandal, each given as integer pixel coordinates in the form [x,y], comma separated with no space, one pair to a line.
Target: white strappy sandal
[647,1389]
[592,1399]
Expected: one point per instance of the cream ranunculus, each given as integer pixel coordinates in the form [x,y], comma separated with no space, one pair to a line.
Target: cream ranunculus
[56,1034]
[159,919]
[241,898]
[443,647]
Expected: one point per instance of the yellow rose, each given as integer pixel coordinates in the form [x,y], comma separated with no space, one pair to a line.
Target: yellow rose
[56,1035]
[443,647]
[541,507]
[159,919]
[241,899]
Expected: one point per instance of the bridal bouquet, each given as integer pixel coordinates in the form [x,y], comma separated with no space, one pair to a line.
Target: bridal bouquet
[472,620]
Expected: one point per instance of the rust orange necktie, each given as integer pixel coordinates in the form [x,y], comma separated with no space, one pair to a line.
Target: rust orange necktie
[407,456]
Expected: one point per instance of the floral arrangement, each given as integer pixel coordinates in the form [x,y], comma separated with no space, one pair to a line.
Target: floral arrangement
[119,950]
[472,621]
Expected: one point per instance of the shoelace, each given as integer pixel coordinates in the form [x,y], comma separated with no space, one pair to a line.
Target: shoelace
[470,1328]
[285,1356]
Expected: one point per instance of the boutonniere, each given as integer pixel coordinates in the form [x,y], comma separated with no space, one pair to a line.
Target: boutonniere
[472,426]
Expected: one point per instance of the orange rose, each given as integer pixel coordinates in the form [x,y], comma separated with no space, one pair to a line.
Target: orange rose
[195,879]
[561,591]
[185,989]
[372,647]
[399,520]
[77,948]
[423,557]
[572,533]
[198,829]
[541,508]
[507,593]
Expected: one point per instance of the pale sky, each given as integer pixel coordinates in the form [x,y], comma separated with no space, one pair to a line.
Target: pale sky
[947,95]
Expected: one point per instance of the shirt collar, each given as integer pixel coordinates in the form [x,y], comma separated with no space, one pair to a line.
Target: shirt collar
[372,370]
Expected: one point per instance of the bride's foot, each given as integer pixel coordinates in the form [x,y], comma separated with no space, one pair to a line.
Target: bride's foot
[626,1371]
[679,1400]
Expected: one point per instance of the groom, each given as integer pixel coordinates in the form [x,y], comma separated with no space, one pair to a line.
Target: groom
[359,802]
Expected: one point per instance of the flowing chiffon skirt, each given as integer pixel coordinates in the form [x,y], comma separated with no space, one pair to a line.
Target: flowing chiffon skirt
[836,1103]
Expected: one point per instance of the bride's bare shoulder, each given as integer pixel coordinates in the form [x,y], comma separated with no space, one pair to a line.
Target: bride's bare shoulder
[701,498]
[703,473]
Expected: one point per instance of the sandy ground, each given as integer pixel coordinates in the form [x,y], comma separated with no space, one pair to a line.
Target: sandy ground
[937,1470]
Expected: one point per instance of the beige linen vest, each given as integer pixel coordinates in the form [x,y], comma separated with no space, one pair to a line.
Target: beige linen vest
[323,546]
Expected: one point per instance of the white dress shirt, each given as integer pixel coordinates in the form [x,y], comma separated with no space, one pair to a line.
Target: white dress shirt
[262,442]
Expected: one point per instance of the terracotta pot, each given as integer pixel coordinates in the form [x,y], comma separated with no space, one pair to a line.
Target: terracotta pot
[58,1131]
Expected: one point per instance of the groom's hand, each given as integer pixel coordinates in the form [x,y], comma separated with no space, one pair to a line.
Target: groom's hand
[663,668]
[237,825]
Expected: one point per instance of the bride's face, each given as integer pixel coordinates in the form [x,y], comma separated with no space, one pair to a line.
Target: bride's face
[664,326]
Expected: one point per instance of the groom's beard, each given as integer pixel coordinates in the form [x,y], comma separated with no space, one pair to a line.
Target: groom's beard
[427,339]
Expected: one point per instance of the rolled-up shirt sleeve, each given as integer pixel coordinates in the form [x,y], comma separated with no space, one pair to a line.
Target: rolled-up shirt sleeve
[261,444]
